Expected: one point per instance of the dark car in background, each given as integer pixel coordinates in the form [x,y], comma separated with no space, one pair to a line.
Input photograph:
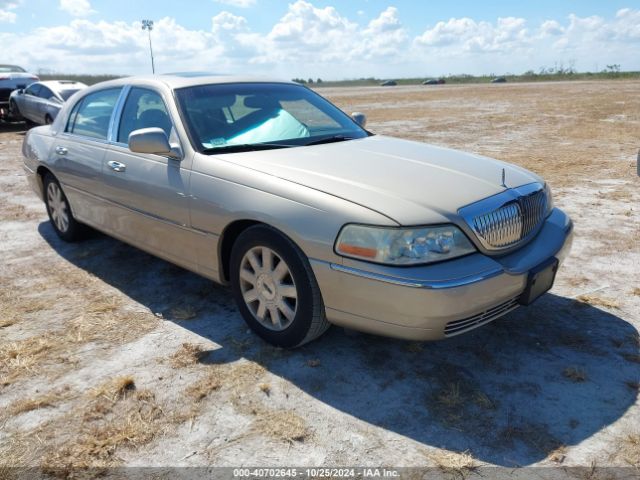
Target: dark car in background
[12,77]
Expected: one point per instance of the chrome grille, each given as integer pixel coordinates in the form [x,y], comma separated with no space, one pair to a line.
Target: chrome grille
[460,326]
[506,219]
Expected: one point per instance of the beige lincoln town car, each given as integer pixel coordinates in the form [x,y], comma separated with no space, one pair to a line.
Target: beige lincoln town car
[312,220]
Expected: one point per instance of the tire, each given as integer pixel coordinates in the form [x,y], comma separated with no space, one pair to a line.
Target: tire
[59,211]
[14,111]
[263,290]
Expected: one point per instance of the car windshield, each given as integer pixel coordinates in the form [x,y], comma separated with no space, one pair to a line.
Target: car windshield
[66,94]
[235,117]
[10,68]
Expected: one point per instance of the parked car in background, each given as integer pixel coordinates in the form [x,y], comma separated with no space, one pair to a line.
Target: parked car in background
[12,77]
[389,83]
[499,80]
[40,102]
[312,219]
[434,81]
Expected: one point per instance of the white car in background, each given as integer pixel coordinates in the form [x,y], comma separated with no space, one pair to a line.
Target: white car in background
[40,102]
[12,77]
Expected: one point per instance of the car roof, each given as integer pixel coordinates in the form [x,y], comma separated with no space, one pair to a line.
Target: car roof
[5,65]
[190,79]
[58,85]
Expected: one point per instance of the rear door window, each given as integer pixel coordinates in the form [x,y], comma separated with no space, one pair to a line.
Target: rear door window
[92,115]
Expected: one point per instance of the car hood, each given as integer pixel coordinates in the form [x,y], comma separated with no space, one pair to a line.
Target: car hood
[412,183]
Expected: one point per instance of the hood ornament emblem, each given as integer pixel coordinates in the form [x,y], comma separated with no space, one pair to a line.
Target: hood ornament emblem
[503,179]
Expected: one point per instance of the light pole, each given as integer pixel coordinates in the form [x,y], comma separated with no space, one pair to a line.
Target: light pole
[148,25]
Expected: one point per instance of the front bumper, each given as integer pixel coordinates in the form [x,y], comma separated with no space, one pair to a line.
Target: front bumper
[441,300]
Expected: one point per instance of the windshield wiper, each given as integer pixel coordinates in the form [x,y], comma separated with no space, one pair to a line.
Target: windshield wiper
[244,147]
[331,139]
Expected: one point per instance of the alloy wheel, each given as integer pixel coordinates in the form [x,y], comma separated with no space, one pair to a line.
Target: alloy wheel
[58,207]
[268,288]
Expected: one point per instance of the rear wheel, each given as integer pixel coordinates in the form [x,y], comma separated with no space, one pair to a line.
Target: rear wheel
[275,288]
[59,211]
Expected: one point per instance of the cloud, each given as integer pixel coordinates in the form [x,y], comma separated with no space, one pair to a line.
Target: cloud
[77,8]
[467,35]
[311,41]
[6,15]
[237,3]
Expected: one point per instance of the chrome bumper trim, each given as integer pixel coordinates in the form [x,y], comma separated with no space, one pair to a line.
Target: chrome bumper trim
[427,284]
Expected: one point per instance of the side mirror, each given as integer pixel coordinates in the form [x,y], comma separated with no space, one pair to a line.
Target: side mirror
[359,118]
[151,140]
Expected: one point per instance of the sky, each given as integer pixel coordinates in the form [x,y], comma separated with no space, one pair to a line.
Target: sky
[320,38]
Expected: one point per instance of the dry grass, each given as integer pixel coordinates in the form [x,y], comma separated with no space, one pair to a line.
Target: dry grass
[47,400]
[535,436]
[282,425]
[6,322]
[558,455]
[631,357]
[183,313]
[131,421]
[188,354]
[575,374]
[597,301]
[627,449]
[453,463]
[114,389]
[450,396]
[19,358]
[265,388]
[201,389]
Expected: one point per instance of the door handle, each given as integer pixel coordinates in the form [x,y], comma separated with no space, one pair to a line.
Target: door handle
[61,150]
[117,166]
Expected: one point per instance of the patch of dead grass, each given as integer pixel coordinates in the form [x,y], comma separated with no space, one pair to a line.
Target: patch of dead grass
[627,449]
[114,389]
[201,389]
[458,464]
[281,425]
[575,374]
[132,421]
[47,400]
[631,357]
[598,301]
[535,436]
[183,313]
[18,358]
[188,354]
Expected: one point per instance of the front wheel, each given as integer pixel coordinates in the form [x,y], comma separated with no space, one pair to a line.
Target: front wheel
[59,211]
[275,288]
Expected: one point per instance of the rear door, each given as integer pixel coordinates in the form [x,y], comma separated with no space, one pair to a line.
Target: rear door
[148,192]
[78,153]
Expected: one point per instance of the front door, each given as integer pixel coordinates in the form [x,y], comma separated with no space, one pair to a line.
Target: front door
[148,193]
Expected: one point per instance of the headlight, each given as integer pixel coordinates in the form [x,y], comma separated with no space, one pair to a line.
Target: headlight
[548,197]
[402,246]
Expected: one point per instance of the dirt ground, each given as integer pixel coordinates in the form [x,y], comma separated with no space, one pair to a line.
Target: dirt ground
[111,357]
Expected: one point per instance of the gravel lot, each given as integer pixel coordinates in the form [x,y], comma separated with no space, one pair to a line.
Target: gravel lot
[111,357]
